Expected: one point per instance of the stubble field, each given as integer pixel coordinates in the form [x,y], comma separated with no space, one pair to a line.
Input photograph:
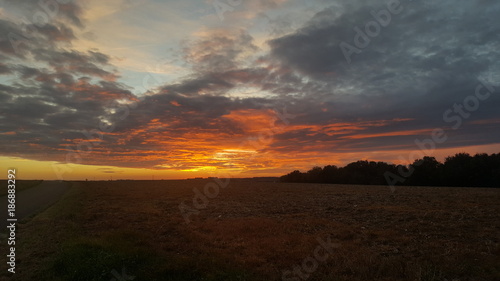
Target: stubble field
[134,230]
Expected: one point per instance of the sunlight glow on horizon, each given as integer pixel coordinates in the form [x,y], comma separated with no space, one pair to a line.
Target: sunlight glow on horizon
[33,169]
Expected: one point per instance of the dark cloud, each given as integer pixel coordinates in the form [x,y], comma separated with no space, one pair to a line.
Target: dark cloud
[55,33]
[42,12]
[39,24]
[91,63]
[4,69]
[199,85]
[218,51]
[450,38]
[9,33]
[429,56]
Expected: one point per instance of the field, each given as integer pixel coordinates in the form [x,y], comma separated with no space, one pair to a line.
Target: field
[20,185]
[134,230]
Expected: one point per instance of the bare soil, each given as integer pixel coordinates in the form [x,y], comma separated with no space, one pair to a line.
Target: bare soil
[266,229]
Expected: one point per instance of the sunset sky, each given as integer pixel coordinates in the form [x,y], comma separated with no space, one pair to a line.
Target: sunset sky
[136,89]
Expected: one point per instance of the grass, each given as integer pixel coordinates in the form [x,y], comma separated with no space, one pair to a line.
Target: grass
[255,231]
[38,239]
[83,259]
[20,185]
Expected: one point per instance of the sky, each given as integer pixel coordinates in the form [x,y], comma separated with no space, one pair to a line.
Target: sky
[143,89]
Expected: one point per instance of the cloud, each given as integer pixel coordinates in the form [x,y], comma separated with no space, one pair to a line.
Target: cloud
[223,115]
[399,73]
[55,33]
[92,63]
[41,12]
[4,69]
[218,50]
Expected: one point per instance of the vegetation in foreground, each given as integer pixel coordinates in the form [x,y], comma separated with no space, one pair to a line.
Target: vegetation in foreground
[462,170]
[256,231]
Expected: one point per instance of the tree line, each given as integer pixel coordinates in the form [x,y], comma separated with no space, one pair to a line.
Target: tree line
[461,170]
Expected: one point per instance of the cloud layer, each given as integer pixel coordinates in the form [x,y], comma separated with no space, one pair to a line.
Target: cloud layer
[249,107]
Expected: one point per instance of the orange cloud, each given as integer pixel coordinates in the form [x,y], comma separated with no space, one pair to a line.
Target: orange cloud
[390,134]
[252,120]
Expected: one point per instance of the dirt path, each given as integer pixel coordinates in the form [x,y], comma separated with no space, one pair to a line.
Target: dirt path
[34,199]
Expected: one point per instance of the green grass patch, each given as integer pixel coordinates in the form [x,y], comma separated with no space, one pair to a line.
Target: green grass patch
[85,259]
[37,237]
[123,252]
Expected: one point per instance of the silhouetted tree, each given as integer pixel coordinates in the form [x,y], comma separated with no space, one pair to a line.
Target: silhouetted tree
[461,169]
[458,170]
[330,174]
[313,175]
[295,176]
[426,171]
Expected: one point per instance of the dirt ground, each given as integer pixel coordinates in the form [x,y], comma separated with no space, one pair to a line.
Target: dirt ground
[284,231]
[273,227]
